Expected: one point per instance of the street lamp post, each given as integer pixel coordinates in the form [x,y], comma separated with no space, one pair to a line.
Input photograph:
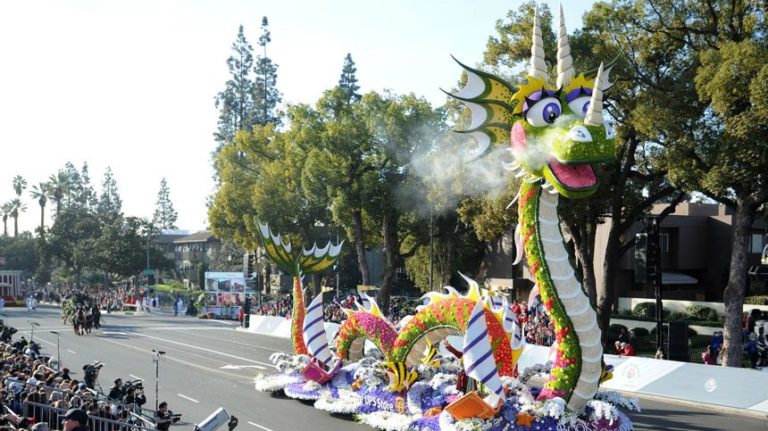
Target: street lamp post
[431,249]
[32,330]
[58,350]
[338,269]
[158,354]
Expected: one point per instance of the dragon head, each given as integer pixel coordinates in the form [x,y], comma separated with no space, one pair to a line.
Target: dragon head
[556,131]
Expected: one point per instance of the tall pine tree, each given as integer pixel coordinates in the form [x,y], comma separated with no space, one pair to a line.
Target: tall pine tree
[348,79]
[235,103]
[266,97]
[165,216]
[110,205]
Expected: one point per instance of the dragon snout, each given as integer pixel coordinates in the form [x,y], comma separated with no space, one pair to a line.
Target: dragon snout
[579,134]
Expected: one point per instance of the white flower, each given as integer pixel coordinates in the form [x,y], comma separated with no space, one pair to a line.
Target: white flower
[347,403]
[534,370]
[554,407]
[619,400]
[387,420]
[441,379]
[274,382]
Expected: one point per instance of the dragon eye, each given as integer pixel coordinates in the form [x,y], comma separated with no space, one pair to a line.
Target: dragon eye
[579,105]
[543,112]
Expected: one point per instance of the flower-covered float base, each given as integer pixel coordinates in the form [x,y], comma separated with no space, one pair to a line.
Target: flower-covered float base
[362,389]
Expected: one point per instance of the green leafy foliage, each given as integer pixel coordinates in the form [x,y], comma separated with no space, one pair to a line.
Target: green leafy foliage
[700,312]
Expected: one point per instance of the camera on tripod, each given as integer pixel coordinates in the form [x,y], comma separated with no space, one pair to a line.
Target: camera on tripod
[132,386]
[94,367]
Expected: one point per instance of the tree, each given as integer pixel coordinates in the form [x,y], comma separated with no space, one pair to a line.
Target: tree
[121,248]
[239,165]
[19,184]
[20,253]
[337,172]
[40,192]
[6,210]
[401,126]
[74,198]
[17,206]
[110,205]
[235,102]
[348,79]
[72,240]
[164,216]
[59,187]
[88,198]
[266,97]
[703,137]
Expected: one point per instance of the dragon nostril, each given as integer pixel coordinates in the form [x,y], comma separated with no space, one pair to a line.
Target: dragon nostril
[579,134]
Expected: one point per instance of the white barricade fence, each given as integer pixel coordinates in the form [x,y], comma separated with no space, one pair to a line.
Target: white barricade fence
[738,388]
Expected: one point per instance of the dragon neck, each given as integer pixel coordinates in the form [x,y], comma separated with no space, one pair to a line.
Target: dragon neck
[297,322]
[578,363]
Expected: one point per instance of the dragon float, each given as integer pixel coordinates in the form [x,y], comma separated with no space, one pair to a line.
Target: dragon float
[416,379]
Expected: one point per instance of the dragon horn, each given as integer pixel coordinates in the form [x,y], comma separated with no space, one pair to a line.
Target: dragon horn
[538,66]
[594,115]
[564,61]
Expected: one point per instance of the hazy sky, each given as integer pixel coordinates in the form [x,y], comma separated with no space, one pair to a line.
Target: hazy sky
[130,84]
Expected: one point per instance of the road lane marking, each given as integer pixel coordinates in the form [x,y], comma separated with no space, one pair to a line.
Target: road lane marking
[239,367]
[72,351]
[188,398]
[135,377]
[113,333]
[259,426]
[237,377]
[46,341]
[230,341]
[206,350]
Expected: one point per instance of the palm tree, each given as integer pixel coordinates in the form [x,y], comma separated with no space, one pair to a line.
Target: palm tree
[40,192]
[6,210]
[59,186]
[17,206]
[19,184]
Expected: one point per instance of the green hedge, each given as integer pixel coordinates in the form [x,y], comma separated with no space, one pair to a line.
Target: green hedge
[756,300]
[647,310]
[697,314]
[700,312]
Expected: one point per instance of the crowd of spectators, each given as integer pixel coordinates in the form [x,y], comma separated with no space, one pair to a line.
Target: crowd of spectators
[28,379]
[279,308]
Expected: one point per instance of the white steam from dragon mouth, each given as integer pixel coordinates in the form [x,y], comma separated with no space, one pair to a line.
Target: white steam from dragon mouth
[447,177]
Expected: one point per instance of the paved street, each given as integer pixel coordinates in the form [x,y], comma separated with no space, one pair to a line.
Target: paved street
[209,364]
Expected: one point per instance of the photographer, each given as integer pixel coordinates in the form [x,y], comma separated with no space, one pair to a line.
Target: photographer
[92,374]
[164,417]
[116,392]
[134,394]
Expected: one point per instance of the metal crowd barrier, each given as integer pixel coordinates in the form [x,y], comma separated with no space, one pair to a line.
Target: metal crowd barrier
[77,400]
[52,415]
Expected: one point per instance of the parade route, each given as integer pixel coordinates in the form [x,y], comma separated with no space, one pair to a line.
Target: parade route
[208,364]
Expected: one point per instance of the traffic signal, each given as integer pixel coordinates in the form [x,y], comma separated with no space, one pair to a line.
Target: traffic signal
[641,258]
[647,258]
[247,305]
[249,263]
[653,258]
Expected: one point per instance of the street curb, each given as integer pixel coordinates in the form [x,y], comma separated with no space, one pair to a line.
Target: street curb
[704,406]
